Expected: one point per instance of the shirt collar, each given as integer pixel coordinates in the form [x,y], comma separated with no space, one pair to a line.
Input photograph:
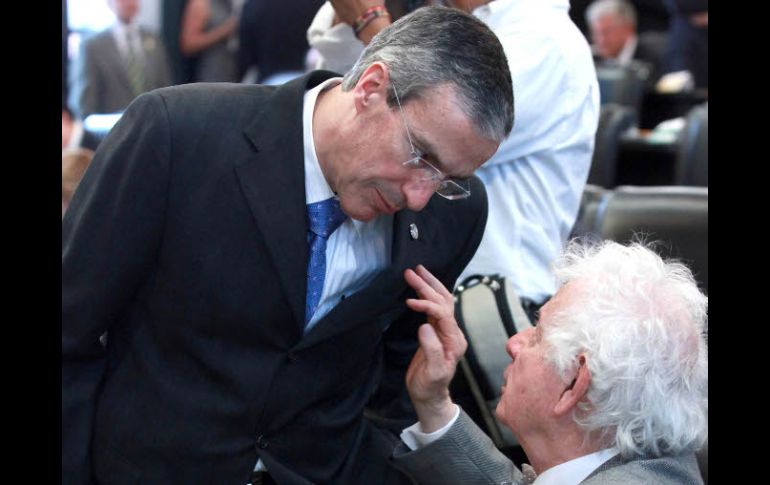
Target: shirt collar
[627,53]
[316,186]
[119,31]
[576,470]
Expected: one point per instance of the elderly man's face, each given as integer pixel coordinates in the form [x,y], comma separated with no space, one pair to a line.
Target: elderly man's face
[376,181]
[610,33]
[531,386]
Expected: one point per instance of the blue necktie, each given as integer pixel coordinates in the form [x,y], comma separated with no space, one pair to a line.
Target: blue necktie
[325,216]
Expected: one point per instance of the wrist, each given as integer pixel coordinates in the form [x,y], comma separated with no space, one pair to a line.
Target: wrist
[369,31]
[370,21]
[435,413]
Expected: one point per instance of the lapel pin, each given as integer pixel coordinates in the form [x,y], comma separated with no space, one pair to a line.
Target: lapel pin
[413,231]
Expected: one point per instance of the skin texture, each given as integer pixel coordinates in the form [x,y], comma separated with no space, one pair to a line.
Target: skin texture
[362,152]
[609,35]
[536,403]
[125,10]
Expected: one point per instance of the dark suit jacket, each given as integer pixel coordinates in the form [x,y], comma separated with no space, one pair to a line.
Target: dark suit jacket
[651,48]
[186,242]
[465,455]
[273,36]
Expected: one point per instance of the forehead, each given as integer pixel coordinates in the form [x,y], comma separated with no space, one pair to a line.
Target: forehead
[560,301]
[439,126]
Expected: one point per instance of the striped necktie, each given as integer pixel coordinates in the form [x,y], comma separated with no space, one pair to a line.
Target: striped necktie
[134,64]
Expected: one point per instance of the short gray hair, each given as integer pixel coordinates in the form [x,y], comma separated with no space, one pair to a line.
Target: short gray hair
[640,321]
[620,8]
[434,46]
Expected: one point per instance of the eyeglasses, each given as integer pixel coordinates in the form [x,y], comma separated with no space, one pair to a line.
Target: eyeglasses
[447,187]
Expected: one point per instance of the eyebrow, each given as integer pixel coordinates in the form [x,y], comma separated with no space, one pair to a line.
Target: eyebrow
[427,148]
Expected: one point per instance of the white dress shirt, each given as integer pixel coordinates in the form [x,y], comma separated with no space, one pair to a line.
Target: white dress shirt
[120,33]
[357,250]
[626,54]
[535,180]
[576,470]
[415,438]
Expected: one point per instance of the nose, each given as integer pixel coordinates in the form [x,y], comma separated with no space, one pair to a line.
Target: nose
[515,343]
[417,194]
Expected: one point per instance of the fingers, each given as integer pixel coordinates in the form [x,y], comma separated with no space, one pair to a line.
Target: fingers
[433,282]
[440,356]
[431,346]
[426,285]
[432,309]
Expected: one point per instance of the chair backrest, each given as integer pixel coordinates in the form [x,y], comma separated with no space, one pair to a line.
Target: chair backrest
[703,462]
[586,223]
[692,162]
[623,84]
[614,120]
[652,46]
[488,311]
[677,216]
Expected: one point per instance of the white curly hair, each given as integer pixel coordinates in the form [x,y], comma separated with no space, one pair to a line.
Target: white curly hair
[640,322]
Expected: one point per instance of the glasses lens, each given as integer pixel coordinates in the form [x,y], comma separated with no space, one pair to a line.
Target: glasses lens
[454,189]
[426,172]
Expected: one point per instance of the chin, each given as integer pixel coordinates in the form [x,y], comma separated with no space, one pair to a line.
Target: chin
[360,212]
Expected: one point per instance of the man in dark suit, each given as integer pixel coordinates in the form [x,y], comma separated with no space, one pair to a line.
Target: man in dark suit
[207,333]
[610,387]
[614,39]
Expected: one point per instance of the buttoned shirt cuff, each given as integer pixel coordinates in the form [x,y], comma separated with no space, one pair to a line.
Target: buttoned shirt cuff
[414,437]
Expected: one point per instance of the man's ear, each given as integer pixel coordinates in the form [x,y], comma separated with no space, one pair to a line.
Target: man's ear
[372,87]
[576,390]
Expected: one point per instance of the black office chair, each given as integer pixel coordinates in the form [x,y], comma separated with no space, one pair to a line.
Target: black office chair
[489,311]
[586,224]
[614,120]
[676,216]
[651,48]
[692,163]
[623,84]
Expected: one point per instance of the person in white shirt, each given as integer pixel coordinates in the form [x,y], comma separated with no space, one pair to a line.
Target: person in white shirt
[610,387]
[535,180]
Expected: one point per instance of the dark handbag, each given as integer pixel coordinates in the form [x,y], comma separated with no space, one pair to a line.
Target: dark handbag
[488,311]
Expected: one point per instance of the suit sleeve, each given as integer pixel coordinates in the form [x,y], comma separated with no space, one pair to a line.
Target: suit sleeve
[110,239]
[463,455]
[391,407]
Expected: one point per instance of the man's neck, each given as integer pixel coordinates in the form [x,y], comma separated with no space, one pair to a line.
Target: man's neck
[328,130]
[557,447]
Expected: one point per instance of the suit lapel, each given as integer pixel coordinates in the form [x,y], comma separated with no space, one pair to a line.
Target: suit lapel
[616,460]
[388,291]
[274,185]
[121,71]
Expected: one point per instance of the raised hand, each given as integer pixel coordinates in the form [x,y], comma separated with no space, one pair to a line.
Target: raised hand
[442,344]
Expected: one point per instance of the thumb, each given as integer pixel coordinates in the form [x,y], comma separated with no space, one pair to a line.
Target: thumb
[431,345]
